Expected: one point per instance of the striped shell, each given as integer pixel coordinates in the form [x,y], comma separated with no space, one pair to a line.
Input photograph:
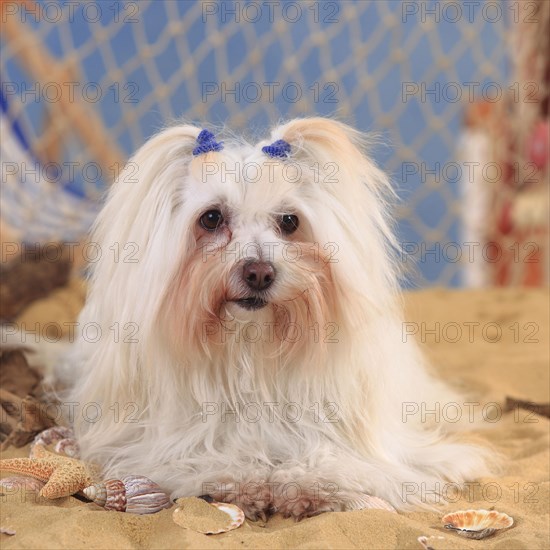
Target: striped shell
[144,496]
[477,524]
[132,494]
[68,447]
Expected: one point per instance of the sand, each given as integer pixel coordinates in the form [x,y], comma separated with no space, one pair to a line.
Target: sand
[198,515]
[514,365]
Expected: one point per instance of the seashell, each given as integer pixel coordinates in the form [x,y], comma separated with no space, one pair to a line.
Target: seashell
[68,447]
[7,531]
[132,494]
[477,524]
[234,512]
[110,494]
[144,496]
[49,436]
[192,513]
[425,541]
[17,483]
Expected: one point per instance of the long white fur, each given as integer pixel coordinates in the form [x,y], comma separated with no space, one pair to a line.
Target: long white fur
[162,383]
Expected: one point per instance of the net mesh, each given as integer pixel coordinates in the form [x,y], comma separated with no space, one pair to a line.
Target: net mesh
[124,69]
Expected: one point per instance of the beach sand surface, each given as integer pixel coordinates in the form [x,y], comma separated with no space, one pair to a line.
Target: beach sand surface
[502,349]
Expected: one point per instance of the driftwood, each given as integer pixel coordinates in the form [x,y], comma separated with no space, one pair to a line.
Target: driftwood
[542,409]
[22,413]
[33,273]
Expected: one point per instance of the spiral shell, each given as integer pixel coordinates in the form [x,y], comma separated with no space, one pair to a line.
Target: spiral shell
[132,494]
[477,524]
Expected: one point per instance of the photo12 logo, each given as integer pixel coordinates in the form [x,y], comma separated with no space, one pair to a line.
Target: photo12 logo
[469,252]
[270,411]
[471,11]
[492,492]
[489,332]
[70,11]
[70,91]
[454,92]
[269,92]
[270,11]
[290,491]
[89,252]
[53,332]
[252,172]
[68,412]
[472,412]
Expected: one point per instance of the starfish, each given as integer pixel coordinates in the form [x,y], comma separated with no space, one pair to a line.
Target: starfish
[63,476]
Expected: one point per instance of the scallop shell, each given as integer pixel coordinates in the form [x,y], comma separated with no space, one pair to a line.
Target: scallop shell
[234,512]
[132,494]
[235,518]
[477,524]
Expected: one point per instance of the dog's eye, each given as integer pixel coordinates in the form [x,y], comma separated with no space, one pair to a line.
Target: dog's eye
[211,220]
[289,223]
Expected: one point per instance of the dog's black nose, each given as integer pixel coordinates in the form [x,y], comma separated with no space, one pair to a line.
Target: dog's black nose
[258,275]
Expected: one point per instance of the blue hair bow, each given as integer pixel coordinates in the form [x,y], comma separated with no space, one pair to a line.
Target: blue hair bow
[278,149]
[206,143]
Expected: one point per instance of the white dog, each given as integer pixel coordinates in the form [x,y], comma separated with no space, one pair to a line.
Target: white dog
[244,329]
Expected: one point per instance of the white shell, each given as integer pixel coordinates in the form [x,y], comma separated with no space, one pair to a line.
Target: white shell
[236,518]
[90,492]
[96,493]
[477,524]
[234,512]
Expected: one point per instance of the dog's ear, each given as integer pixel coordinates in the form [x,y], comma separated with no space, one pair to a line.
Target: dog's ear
[336,146]
[174,144]
[320,136]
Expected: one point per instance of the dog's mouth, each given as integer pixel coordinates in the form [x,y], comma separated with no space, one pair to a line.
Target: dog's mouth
[252,303]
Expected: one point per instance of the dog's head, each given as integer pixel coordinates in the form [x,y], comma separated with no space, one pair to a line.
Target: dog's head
[280,243]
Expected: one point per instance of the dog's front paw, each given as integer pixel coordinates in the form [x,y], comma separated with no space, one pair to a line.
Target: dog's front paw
[308,500]
[254,499]
[304,506]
